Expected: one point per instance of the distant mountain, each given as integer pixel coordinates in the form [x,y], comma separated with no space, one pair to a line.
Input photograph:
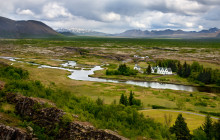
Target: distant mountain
[212,32]
[81,32]
[132,33]
[24,29]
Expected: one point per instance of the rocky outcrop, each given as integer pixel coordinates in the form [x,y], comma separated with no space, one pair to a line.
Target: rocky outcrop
[10,133]
[82,131]
[50,118]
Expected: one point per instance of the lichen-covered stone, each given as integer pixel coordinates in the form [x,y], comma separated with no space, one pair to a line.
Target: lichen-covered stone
[10,133]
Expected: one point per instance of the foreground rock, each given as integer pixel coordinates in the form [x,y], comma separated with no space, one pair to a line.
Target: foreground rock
[35,110]
[10,133]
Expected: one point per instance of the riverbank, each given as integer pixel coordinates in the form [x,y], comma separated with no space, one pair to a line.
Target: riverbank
[163,79]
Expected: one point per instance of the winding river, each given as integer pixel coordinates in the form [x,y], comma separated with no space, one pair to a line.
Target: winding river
[83,74]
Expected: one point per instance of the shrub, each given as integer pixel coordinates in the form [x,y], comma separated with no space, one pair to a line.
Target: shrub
[158,107]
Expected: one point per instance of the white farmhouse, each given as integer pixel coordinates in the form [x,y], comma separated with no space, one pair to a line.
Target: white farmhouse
[136,67]
[161,70]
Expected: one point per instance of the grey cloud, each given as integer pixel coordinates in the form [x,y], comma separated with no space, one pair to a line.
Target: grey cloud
[117,15]
[213,14]
[208,2]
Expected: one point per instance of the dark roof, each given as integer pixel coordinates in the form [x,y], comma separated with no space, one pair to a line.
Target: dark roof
[169,69]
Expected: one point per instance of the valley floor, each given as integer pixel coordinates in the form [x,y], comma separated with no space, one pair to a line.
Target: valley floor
[88,53]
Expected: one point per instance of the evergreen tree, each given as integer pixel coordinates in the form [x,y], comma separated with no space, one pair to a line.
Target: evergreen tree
[216,127]
[186,70]
[100,101]
[122,99]
[149,69]
[180,129]
[125,101]
[131,98]
[180,70]
[208,127]
[159,63]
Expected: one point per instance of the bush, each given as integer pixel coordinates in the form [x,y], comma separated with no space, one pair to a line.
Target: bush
[10,72]
[122,70]
[201,104]
[158,107]
[198,134]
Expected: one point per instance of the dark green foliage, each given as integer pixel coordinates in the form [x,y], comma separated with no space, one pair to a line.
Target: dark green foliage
[131,98]
[38,131]
[130,101]
[205,76]
[149,69]
[158,107]
[199,134]
[180,129]
[198,74]
[136,102]
[122,99]
[196,67]
[10,72]
[186,71]
[207,127]
[180,70]
[216,130]
[100,101]
[168,63]
[122,70]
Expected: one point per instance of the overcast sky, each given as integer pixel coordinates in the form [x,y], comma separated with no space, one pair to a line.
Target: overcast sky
[114,16]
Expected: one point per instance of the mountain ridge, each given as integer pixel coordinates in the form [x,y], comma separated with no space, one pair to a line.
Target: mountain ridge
[212,32]
[36,29]
[24,29]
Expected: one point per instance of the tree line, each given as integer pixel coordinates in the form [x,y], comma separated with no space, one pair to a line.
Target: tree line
[194,72]
[122,70]
[197,73]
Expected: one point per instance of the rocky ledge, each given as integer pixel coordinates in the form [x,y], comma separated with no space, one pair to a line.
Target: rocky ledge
[10,133]
[37,111]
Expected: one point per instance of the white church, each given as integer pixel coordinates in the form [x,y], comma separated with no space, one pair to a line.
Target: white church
[161,70]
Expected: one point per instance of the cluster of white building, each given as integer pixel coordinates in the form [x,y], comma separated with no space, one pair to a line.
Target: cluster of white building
[141,57]
[161,70]
[156,70]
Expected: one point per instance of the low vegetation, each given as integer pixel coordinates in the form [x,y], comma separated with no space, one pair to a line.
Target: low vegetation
[122,70]
[125,119]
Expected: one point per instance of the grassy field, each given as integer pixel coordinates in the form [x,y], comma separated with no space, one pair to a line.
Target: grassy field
[111,91]
[117,42]
[193,121]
